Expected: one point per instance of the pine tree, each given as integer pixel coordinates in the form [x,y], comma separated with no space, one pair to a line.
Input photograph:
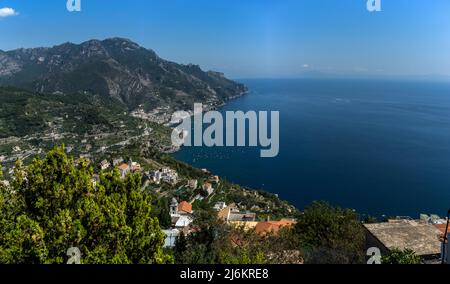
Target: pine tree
[53,206]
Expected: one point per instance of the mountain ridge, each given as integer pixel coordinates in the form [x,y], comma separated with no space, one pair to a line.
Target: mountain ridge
[118,68]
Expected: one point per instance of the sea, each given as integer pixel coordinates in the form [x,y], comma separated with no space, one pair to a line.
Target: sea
[380,147]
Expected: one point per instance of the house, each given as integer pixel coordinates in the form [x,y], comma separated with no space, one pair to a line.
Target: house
[442,227]
[273,227]
[166,175]
[135,167]
[181,221]
[192,184]
[417,235]
[156,177]
[184,208]
[180,214]
[104,165]
[445,248]
[124,169]
[219,206]
[16,149]
[208,188]
[169,176]
[214,179]
[117,162]
[170,179]
[171,237]
[230,213]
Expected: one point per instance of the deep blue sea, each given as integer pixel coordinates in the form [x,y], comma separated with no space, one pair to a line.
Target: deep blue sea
[380,147]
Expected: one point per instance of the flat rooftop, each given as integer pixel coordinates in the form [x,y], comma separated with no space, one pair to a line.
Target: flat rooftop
[419,236]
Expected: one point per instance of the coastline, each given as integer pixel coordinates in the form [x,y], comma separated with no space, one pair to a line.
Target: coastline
[175,149]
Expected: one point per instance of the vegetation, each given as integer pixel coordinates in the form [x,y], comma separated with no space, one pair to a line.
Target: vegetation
[214,242]
[24,113]
[329,235]
[52,206]
[397,256]
[323,234]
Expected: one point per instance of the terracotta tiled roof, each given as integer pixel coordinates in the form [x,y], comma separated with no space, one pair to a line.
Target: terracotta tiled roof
[441,227]
[272,226]
[123,167]
[185,207]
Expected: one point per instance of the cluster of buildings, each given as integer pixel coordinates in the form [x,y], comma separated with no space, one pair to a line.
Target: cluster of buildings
[160,115]
[163,175]
[181,218]
[124,168]
[424,236]
[166,175]
[247,220]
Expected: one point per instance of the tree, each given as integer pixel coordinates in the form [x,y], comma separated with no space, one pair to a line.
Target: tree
[161,211]
[329,235]
[215,242]
[53,206]
[397,256]
[180,247]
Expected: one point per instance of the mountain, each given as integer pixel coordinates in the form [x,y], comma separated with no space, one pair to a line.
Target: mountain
[116,68]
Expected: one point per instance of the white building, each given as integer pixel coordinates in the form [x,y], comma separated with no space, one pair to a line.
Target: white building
[171,237]
[219,206]
[208,188]
[104,165]
[124,169]
[135,167]
[182,221]
[192,184]
[166,175]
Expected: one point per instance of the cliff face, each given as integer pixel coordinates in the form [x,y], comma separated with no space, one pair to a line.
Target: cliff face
[116,68]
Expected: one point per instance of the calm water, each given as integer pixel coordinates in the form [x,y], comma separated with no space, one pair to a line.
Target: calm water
[377,147]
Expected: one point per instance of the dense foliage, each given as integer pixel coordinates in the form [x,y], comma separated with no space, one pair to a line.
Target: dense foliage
[215,242]
[52,205]
[329,235]
[397,256]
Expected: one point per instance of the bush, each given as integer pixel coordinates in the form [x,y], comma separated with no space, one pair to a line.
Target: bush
[53,206]
[397,256]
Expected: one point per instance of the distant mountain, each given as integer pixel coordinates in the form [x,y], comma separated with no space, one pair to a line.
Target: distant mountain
[116,68]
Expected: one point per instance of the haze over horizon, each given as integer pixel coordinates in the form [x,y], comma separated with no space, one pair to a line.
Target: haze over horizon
[281,39]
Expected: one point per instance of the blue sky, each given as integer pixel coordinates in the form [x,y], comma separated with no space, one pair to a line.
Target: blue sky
[252,38]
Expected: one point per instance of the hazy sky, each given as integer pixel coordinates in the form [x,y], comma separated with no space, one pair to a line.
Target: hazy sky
[251,38]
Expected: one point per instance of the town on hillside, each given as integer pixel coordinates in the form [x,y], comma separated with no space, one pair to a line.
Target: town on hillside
[426,236]
[183,193]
